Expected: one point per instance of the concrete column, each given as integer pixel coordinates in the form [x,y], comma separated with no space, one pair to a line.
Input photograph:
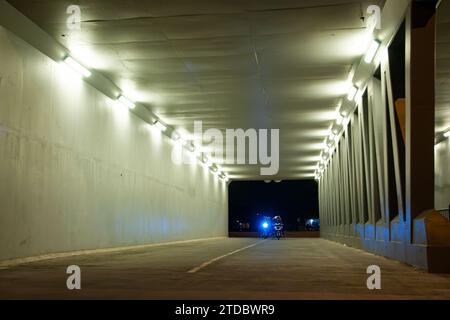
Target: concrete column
[428,233]
[420,118]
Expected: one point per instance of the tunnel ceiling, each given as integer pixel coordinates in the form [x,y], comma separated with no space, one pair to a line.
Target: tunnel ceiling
[443,67]
[279,64]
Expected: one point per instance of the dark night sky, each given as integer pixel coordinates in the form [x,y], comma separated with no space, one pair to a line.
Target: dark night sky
[289,199]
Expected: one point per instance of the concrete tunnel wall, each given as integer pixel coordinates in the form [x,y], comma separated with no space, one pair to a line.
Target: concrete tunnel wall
[442,175]
[78,172]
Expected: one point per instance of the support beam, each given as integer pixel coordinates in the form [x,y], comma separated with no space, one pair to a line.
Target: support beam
[420,101]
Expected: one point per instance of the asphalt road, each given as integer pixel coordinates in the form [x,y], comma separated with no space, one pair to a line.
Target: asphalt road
[225,269]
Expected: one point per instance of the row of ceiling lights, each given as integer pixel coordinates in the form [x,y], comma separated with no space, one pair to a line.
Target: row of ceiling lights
[175,135]
[343,117]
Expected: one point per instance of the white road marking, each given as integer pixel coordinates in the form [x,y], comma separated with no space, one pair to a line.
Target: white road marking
[205,264]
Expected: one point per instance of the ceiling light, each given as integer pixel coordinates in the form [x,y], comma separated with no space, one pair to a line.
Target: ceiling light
[205,160]
[332,136]
[178,139]
[214,168]
[340,119]
[182,141]
[161,126]
[176,136]
[74,65]
[126,102]
[447,134]
[346,122]
[371,52]
[330,142]
[191,147]
[352,93]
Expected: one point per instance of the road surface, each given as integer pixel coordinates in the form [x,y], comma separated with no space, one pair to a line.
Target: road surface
[225,269]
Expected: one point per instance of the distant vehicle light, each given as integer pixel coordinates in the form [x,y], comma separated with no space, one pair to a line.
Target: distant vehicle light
[265,225]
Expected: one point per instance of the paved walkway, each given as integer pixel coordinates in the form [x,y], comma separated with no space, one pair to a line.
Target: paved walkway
[225,269]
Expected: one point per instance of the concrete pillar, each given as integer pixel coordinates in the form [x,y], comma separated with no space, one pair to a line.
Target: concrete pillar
[428,233]
[420,101]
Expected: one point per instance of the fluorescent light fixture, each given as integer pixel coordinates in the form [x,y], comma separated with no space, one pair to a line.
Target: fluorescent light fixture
[176,136]
[161,126]
[372,51]
[183,142]
[339,119]
[74,65]
[205,160]
[332,136]
[447,134]
[346,122]
[352,93]
[330,142]
[191,147]
[126,102]
[223,176]
[214,168]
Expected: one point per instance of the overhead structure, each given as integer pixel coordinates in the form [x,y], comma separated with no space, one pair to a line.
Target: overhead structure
[377,189]
[250,64]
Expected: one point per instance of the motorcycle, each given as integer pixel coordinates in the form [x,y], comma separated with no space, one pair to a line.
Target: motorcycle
[278,229]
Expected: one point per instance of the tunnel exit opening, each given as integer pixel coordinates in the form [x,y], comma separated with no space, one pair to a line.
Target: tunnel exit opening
[253,205]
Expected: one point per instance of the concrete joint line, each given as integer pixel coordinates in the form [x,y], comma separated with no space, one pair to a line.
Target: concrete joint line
[207,263]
